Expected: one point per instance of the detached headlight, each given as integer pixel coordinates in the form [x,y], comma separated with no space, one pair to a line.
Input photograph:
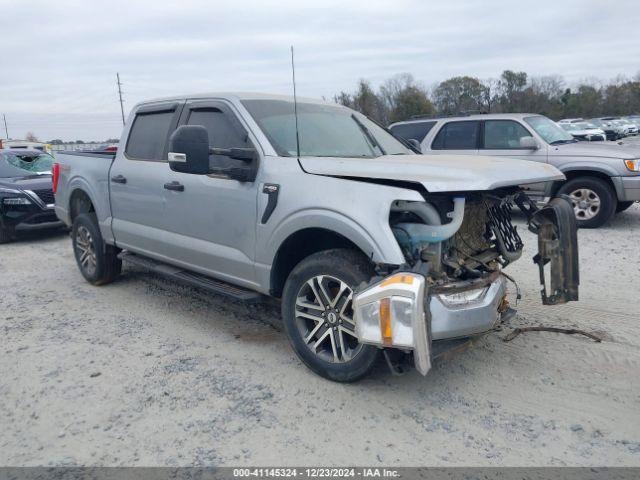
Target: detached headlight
[633,165]
[391,314]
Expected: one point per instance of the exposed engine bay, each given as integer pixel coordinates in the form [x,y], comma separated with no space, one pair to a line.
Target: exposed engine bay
[466,238]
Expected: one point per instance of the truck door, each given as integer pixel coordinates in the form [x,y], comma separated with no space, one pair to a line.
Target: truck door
[501,138]
[211,219]
[136,180]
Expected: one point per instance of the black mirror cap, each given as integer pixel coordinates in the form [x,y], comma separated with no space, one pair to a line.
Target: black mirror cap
[189,150]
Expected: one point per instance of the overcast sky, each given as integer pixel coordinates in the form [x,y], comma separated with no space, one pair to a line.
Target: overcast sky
[59,58]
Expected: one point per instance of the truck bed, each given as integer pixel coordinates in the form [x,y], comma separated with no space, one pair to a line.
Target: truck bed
[87,172]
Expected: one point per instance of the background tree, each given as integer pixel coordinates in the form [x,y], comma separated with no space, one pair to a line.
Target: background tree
[459,94]
[510,87]
[30,137]
[403,98]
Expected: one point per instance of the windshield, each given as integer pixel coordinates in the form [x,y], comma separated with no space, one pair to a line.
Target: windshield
[549,130]
[324,130]
[20,164]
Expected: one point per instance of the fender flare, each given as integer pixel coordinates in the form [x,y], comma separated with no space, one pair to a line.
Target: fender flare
[385,251]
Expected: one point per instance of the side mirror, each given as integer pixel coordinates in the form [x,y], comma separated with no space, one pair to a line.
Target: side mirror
[415,144]
[189,150]
[529,143]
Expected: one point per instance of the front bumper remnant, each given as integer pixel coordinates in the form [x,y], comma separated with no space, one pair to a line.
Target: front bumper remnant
[555,225]
[402,312]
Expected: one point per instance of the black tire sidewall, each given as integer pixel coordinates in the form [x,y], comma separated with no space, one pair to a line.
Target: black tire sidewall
[350,267]
[90,223]
[608,200]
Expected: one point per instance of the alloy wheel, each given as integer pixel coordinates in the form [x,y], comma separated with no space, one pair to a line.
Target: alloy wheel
[324,317]
[85,250]
[586,203]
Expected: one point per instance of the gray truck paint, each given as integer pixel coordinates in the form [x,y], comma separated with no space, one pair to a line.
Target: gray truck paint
[325,193]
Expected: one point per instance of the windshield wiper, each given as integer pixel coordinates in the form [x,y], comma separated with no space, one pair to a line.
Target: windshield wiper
[561,142]
[368,134]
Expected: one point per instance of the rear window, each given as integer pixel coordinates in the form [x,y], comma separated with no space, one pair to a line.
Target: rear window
[148,135]
[416,131]
[457,136]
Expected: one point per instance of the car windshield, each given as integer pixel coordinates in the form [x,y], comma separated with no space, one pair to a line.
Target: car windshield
[14,164]
[549,130]
[323,130]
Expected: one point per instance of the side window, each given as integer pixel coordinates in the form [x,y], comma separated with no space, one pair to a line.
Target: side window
[417,130]
[223,133]
[457,136]
[503,134]
[148,135]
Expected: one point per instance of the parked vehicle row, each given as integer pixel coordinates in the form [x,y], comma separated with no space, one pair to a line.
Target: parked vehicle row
[600,178]
[371,247]
[26,196]
[615,128]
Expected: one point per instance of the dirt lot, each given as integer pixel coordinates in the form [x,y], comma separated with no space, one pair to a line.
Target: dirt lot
[146,372]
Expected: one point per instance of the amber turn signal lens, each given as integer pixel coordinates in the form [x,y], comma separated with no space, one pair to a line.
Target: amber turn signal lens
[385,321]
[398,278]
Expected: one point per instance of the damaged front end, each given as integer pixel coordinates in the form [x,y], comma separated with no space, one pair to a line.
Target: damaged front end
[453,284]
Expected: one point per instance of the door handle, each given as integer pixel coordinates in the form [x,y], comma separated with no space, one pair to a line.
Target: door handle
[175,186]
[118,179]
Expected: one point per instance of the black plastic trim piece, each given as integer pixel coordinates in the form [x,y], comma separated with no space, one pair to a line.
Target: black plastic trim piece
[272,190]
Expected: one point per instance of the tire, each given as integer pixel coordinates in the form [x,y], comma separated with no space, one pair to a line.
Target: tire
[622,206]
[594,201]
[5,235]
[98,262]
[339,357]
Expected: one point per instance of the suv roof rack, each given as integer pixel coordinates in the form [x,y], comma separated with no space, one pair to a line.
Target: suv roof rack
[464,113]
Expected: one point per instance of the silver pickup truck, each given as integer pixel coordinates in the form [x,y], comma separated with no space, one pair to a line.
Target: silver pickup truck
[369,246]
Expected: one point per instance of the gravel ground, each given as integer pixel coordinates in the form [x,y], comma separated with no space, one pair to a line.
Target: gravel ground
[147,372]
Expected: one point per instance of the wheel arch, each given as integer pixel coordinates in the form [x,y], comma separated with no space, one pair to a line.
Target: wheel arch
[301,244]
[573,173]
[80,202]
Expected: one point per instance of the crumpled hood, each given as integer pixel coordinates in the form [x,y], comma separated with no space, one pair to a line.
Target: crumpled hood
[595,150]
[437,173]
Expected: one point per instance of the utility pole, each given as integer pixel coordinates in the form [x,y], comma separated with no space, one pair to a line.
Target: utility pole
[6,130]
[120,95]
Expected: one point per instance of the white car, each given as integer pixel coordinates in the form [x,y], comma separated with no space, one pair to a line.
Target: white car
[584,131]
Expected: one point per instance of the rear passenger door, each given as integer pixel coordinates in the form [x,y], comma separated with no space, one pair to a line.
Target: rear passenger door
[136,181]
[457,137]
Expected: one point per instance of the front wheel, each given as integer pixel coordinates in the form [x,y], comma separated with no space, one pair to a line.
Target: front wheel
[98,262]
[317,314]
[594,201]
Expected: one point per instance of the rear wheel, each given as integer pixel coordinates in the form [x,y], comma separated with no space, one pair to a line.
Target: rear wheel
[594,201]
[317,313]
[622,206]
[98,262]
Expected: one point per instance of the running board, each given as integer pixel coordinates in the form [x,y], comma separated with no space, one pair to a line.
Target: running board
[194,279]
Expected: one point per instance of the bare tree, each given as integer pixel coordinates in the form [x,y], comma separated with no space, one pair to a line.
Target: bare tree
[30,137]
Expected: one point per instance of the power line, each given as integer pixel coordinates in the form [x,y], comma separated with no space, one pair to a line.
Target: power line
[120,95]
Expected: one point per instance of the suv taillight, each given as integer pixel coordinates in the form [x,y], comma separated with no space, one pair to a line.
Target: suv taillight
[55,172]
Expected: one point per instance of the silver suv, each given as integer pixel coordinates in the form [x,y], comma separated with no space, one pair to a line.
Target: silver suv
[601,179]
